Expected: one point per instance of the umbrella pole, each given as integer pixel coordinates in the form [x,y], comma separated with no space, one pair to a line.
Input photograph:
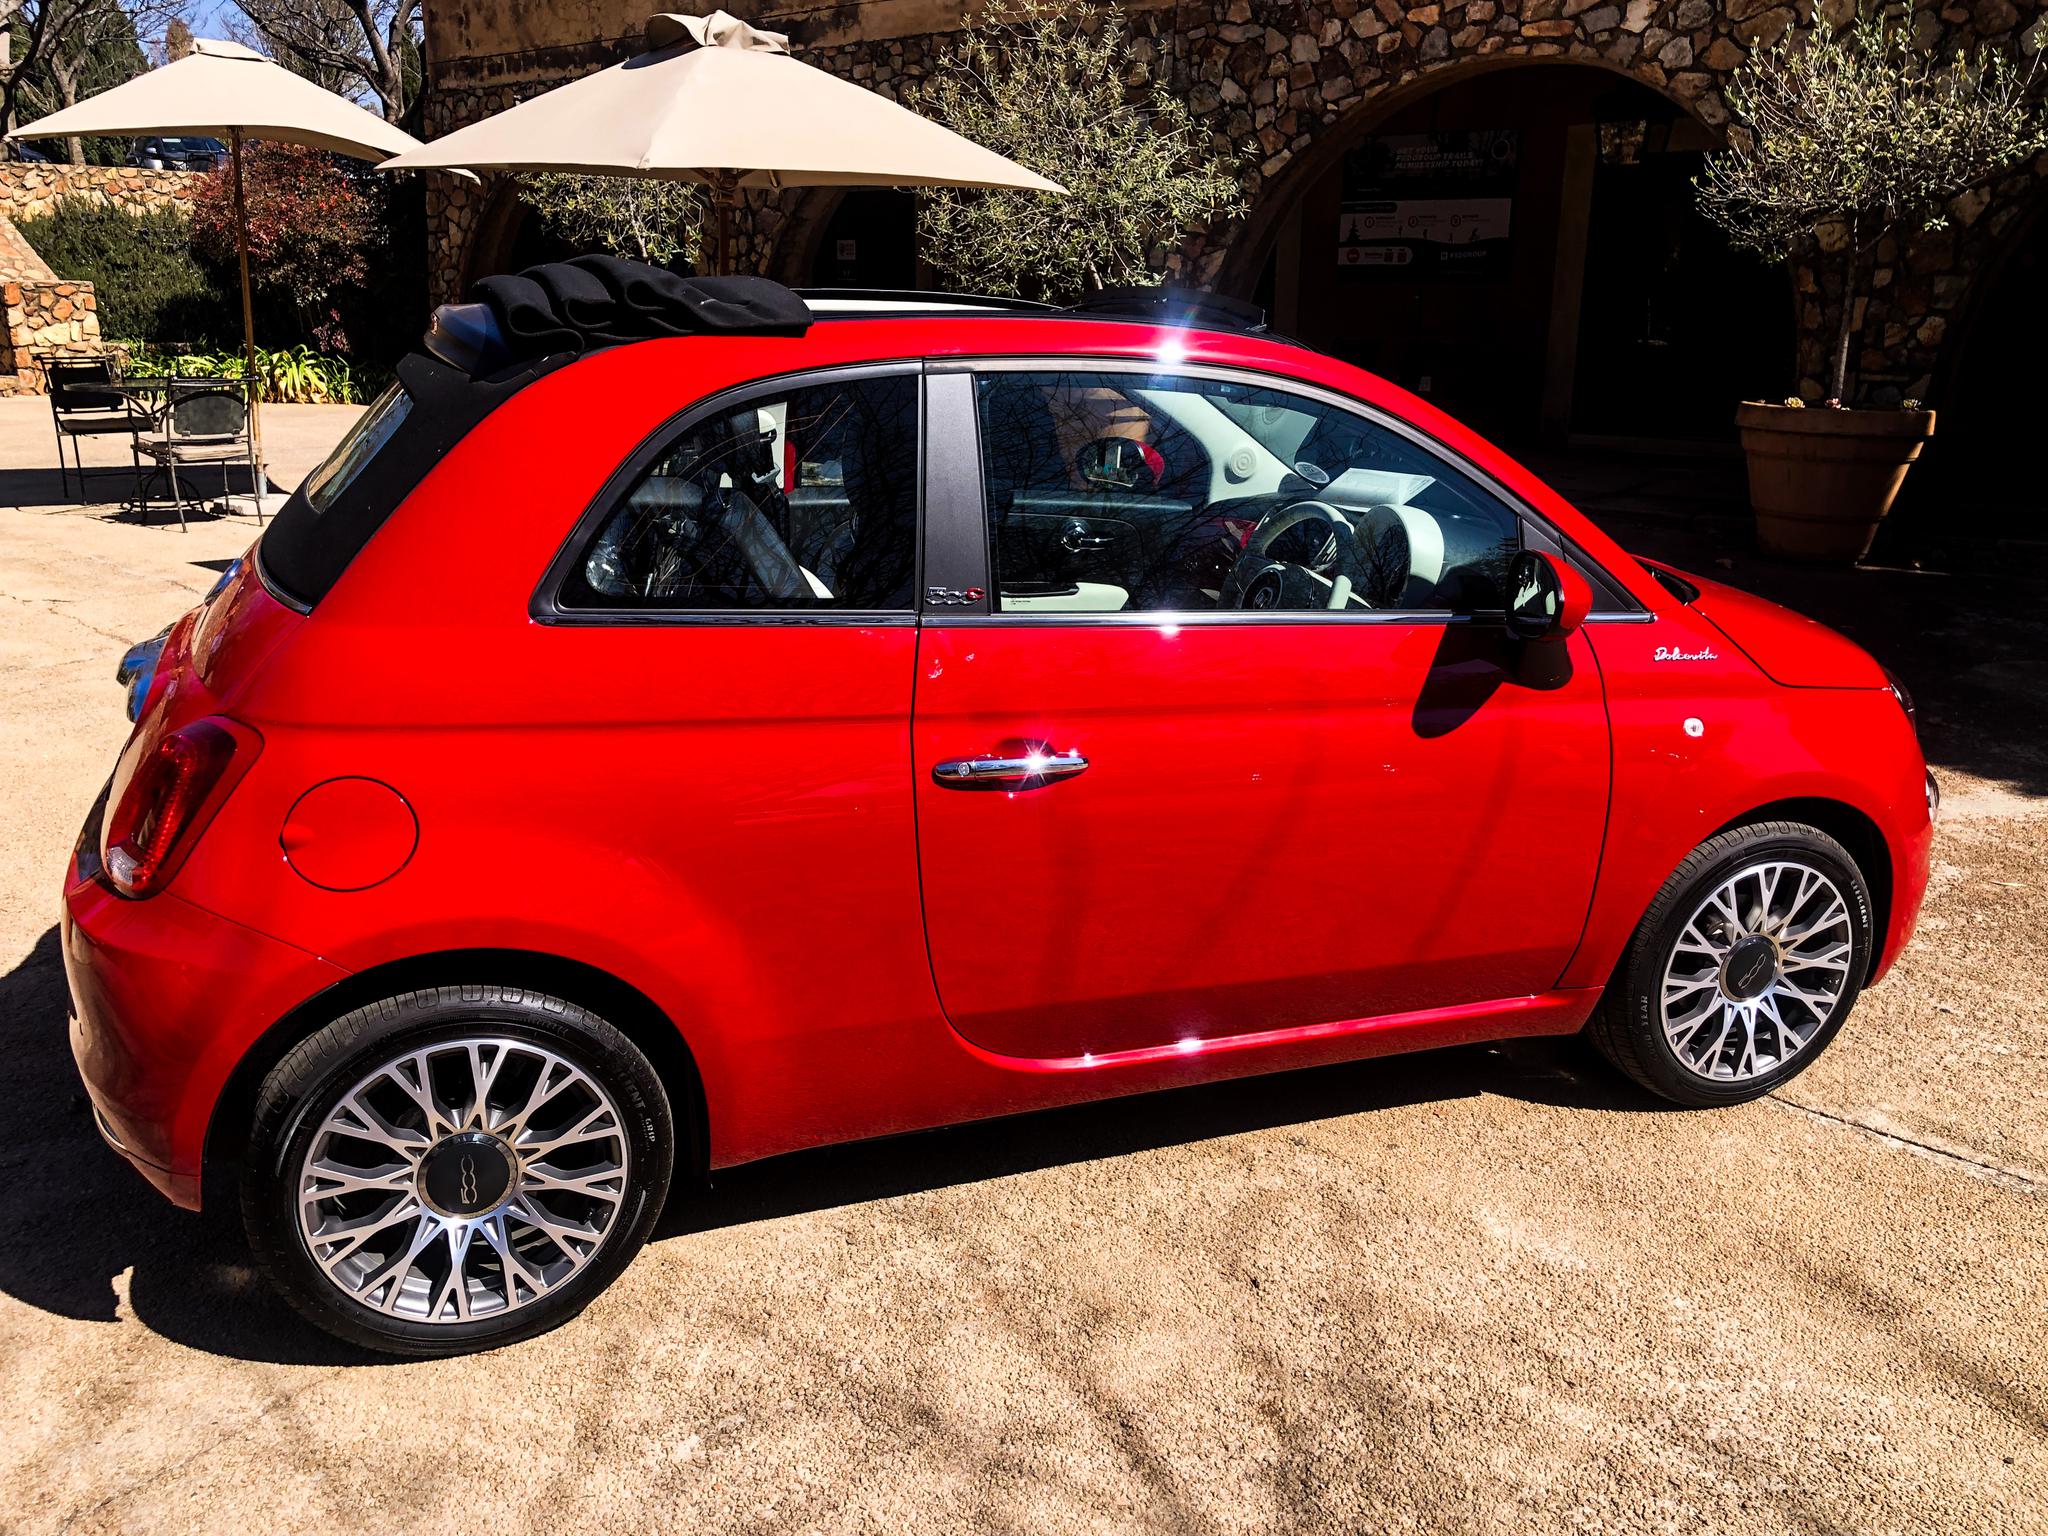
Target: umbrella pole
[249,379]
[725,192]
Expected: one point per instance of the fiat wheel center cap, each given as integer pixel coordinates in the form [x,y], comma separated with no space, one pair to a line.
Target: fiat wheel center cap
[1750,969]
[466,1175]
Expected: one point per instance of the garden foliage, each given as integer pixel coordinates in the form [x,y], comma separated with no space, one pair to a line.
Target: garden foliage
[640,217]
[1046,86]
[314,229]
[146,281]
[1844,138]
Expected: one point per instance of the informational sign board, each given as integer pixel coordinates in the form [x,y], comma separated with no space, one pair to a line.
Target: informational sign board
[1427,207]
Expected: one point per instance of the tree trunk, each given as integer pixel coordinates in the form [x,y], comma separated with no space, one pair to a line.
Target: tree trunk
[1840,381]
[66,81]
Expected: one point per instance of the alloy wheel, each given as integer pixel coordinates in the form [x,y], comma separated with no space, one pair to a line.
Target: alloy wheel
[1759,969]
[462,1180]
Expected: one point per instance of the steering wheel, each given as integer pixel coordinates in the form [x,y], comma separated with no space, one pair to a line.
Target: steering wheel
[1328,578]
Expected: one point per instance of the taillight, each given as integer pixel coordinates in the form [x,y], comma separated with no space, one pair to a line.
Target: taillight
[172,790]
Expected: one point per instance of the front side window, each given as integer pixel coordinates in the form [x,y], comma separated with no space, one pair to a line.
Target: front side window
[800,497]
[1119,492]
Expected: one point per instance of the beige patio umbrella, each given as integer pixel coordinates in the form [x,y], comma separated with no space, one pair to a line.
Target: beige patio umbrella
[225,91]
[718,101]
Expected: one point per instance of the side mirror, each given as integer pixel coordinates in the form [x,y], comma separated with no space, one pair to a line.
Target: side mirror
[1547,600]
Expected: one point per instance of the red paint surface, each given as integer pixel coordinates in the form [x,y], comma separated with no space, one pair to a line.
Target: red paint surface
[1294,843]
[349,834]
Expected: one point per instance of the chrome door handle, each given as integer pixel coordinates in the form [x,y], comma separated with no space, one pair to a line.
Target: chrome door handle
[1038,766]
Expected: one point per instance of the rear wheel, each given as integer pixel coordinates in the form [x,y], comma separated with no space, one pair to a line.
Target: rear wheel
[454,1169]
[1743,968]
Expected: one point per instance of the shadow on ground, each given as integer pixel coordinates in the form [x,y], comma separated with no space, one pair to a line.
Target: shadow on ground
[116,485]
[74,1218]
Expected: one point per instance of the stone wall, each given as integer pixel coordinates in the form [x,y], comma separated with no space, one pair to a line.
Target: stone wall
[42,320]
[29,191]
[41,315]
[18,259]
[44,315]
[1285,87]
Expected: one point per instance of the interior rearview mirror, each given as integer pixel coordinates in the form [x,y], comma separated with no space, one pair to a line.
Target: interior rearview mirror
[1547,599]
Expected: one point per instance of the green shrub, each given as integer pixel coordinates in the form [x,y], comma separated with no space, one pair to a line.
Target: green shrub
[145,278]
[290,375]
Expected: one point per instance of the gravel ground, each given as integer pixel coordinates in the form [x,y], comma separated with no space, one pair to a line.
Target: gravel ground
[1488,1289]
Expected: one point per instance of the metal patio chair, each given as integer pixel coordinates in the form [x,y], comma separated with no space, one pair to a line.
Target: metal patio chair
[202,421]
[86,400]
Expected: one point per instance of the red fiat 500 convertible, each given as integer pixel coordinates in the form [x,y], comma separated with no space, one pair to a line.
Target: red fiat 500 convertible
[679,725]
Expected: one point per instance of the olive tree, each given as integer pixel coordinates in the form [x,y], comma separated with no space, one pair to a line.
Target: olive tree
[649,220]
[1048,90]
[1842,138]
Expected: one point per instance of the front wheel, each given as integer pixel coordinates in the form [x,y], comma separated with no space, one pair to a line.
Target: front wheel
[455,1169]
[1743,968]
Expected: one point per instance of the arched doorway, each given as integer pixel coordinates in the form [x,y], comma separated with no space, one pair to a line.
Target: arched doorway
[868,241]
[848,237]
[1519,244]
[1979,475]
[509,237]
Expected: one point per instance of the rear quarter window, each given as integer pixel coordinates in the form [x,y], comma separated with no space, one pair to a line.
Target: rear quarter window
[327,522]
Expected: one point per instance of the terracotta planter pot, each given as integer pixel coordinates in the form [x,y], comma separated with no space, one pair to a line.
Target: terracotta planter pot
[1820,481]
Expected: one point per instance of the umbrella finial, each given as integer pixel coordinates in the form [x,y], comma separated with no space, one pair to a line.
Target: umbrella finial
[222,48]
[721,29]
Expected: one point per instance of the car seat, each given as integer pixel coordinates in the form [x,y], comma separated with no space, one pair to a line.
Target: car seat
[1400,556]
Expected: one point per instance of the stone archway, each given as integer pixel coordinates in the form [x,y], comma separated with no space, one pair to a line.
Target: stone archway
[842,237]
[494,233]
[1510,236]
[1264,226]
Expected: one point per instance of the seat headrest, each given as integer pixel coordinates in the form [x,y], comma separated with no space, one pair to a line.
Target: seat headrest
[1400,556]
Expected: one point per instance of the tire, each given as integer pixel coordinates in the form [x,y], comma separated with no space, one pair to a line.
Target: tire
[543,1197]
[1662,1019]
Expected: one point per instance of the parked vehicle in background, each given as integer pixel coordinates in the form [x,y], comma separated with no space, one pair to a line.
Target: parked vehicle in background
[178,153]
[627,759]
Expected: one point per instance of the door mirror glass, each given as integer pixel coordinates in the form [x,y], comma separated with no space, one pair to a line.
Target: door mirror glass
[1546,600]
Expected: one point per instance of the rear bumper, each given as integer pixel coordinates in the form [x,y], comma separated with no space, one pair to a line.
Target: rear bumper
[165,1000]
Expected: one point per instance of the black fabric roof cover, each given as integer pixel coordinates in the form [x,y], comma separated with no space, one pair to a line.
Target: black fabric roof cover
[596,301]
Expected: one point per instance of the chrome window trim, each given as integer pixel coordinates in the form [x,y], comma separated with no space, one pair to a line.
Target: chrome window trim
[546,607]
[1258,378]
[1162,618]
[277,594]
[1166,618]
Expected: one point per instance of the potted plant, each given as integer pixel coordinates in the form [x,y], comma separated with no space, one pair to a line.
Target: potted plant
[1842,140]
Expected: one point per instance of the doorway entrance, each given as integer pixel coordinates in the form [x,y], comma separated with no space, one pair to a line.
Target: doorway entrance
[1521,247]
[870,241]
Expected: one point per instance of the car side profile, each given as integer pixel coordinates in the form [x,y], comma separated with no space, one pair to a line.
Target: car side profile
[725,726]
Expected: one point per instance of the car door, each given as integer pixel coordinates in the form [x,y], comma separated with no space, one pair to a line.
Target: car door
[737,614]
[1281,768]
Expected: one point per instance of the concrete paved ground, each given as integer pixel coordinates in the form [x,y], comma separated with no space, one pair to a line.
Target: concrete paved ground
[1481,1290]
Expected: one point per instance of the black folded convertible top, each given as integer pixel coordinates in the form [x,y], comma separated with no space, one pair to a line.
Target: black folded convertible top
[598,301]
